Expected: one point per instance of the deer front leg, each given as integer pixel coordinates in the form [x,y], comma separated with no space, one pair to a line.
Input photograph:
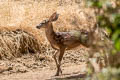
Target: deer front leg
[62,50]
[54,57]
[56,61]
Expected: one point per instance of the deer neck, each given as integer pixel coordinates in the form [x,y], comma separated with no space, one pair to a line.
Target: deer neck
[50,33]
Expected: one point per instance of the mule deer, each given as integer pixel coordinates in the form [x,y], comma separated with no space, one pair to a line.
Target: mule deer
[62,41]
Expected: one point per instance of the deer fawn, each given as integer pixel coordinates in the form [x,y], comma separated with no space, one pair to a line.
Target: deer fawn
[62,41]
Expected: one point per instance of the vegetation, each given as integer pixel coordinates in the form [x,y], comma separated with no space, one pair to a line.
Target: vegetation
[108,17]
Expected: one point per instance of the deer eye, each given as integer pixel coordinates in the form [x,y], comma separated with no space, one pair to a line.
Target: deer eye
[44,21]
[40,24]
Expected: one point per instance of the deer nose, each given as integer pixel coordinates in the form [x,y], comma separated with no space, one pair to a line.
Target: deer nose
[38,26]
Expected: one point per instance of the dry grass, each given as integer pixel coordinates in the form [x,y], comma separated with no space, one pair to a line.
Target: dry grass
[26,14]
[15,43]
[30,13]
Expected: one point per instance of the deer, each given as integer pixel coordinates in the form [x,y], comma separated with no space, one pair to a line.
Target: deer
[62,41]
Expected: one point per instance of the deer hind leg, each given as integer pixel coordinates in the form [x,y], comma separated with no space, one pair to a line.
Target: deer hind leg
[62,50]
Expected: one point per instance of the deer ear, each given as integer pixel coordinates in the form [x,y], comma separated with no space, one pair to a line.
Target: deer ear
[54,17]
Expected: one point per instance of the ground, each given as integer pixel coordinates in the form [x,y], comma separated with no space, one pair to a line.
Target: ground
[69,72]
[28,67]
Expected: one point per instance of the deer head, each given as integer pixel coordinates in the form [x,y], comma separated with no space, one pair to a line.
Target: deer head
[44,23]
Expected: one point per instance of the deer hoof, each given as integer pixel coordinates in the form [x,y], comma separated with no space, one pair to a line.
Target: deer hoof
[57,74]
[60,71]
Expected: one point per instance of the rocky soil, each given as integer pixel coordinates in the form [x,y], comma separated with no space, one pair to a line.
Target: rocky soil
[42,67]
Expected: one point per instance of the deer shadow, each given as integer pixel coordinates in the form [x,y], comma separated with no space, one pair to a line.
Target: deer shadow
[73,76]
